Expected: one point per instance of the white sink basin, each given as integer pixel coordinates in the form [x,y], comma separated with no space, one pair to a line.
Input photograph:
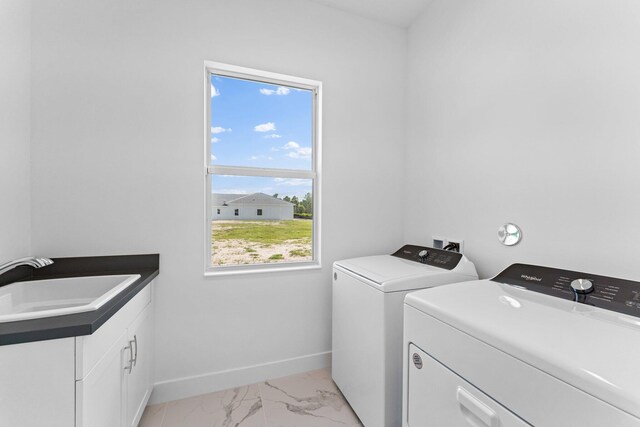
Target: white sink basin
[57,297]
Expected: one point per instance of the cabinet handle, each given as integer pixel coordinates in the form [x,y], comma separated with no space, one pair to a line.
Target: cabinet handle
[135,357]
[130,367]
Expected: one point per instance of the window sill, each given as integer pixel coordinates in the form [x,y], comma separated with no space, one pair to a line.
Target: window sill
[254,269]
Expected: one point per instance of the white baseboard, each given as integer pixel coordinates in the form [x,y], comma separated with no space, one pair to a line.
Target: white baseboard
[181,388]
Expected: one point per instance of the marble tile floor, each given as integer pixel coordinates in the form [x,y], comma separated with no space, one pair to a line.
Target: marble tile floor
[310,399]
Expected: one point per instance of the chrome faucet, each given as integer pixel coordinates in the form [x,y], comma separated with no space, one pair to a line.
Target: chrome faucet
[30,261]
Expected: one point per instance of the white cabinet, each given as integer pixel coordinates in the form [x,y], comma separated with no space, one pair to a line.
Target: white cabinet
[114,367]
[138,373]
[37,384]
[99,380]
[99,394]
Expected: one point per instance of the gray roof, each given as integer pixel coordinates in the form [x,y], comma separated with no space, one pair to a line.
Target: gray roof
[218,199]
[246,199]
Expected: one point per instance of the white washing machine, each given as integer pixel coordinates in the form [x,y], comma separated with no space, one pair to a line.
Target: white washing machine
[368,295]
[532,346]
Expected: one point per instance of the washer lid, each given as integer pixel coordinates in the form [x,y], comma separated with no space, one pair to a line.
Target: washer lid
[593,349]
[389,274]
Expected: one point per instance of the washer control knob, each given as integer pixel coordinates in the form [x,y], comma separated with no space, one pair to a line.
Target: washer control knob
[582,286]
[423,255]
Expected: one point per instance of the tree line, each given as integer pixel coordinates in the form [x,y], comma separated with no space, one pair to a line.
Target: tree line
[304,206]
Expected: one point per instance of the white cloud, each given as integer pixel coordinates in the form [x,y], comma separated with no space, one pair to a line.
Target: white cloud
[214,139]
[280,91]
[214,91]
[265,127]
[260,157]
[291,145]
[292,182]
[300,153]
[297,152]
[272,136]
[213,157]
[219,129]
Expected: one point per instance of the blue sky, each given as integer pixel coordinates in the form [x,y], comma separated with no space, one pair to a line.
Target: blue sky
[261,125]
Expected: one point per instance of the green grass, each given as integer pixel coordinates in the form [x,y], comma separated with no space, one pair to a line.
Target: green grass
[276,256]
[263,232]
[300,252]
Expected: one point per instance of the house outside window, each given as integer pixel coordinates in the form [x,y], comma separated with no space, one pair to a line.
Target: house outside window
[262,148]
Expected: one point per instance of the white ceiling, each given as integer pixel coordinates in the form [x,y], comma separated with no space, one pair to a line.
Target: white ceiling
[395,12]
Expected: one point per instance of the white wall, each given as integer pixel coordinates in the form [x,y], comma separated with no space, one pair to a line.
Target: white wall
[15,54]
[527,112]
[250,211]
[117,156]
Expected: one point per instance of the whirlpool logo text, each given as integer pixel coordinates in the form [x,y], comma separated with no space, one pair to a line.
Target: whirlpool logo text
[531,278]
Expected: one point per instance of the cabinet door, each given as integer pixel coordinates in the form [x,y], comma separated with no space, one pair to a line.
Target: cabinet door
[139,382]
[99,394]
[36,384]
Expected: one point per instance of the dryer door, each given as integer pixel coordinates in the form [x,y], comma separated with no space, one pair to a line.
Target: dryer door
[439,397]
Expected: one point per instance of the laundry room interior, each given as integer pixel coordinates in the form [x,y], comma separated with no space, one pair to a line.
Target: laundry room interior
[303,204]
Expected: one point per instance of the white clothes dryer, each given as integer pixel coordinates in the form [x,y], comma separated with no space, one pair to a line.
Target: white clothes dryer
[533,346]
[368,295]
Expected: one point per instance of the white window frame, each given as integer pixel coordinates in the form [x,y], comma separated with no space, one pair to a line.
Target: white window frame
[313,174]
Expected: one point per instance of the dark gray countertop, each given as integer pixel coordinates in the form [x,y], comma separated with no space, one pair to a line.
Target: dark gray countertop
[71,325]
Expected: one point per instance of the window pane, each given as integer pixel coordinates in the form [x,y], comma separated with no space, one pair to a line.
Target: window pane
[260,220]
[260,124]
